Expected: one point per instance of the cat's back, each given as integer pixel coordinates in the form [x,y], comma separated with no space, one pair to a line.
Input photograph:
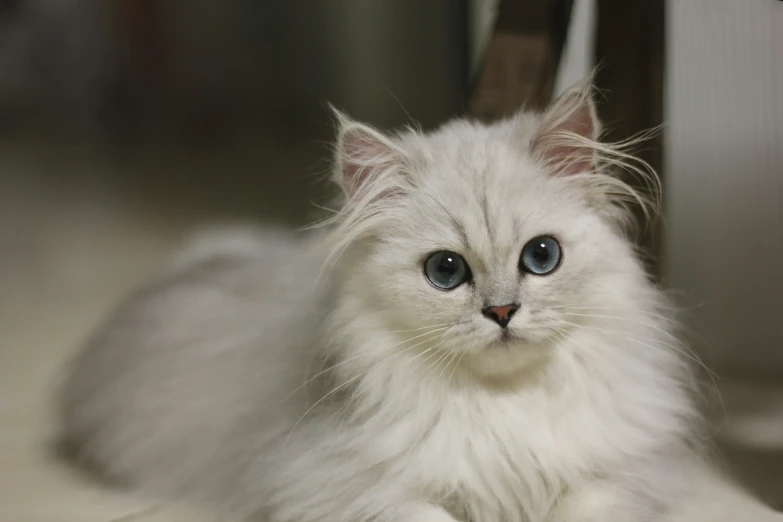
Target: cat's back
[196,358]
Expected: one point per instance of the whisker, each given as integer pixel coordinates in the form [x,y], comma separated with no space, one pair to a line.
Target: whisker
[355,357]
[629,319]
[418,329]
[432,351]
[319,401]
[352,379]
[428,350]
[564,337]
[441,357]
[658,316]
[711,374]
[452,358]
[659,348]
[459,360]
[649,325]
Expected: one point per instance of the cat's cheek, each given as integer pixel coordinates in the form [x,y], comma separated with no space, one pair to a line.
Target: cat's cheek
[416,303]
[539,292]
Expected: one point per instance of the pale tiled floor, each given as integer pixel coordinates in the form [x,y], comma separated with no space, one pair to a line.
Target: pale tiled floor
[75,237]
[79,227]
[66,254]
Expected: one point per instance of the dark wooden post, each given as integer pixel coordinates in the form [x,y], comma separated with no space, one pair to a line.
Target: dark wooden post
[9,7]
[141,29]
[521,62]
[630,49]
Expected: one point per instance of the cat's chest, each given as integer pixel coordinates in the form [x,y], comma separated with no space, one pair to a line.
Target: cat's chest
[493,459]
[487,432]
[502,458]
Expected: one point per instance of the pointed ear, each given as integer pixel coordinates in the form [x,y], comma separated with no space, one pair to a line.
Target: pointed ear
[567,133]
[363,154]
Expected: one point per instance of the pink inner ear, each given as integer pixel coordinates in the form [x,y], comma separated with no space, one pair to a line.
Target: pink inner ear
[362,153]
[563,144]
[356,149]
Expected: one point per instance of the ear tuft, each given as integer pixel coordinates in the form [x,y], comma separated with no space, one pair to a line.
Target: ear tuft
[565,141]
[362,153]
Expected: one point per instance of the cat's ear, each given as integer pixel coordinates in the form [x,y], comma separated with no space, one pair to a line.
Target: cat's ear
[567,133]
[363,155]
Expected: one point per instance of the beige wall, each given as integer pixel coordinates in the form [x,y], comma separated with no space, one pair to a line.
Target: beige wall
[724,176]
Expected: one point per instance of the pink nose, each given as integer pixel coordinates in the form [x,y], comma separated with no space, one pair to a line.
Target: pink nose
[501,314]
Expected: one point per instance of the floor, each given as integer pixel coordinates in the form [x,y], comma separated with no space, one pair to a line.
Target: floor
[80,226]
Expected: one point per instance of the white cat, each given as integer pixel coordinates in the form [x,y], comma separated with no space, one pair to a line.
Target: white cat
[479,343]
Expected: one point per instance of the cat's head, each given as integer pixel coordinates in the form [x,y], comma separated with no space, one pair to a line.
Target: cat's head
[483,240]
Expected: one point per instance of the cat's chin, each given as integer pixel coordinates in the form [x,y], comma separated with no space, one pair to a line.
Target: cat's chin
[509,355]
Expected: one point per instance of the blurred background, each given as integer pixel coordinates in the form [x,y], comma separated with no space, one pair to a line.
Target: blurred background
[125,124]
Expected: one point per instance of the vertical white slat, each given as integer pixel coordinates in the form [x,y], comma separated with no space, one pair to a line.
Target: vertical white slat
[578,57]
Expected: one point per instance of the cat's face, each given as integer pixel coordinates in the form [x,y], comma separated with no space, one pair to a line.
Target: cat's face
[486,253]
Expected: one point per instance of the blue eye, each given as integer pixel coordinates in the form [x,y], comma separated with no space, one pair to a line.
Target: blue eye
[446,270]
[540,256]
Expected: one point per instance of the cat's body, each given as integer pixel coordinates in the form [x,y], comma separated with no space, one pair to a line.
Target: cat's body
[418,406]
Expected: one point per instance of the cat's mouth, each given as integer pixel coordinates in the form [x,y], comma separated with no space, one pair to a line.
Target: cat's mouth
[504,339]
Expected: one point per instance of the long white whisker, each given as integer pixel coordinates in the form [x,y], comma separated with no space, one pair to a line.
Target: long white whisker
[649,325]
[710,373]
[352,379]
[428,350]
[453,357]
[359,356]
[334,390]
[564,337]
[419,329]
[437,361]
[432,350]
[651,346]
[459,360]
[588,308]
[628,319]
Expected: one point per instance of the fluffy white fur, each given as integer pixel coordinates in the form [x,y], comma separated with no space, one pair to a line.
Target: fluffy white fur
[282,381]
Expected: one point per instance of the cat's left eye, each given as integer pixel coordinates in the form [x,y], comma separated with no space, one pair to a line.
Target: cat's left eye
[540,256]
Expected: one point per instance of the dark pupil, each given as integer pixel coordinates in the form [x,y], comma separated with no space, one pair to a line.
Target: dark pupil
[447,267]
[541,254]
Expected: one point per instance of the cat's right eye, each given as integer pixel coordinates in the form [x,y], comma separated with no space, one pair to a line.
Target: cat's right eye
[446,270]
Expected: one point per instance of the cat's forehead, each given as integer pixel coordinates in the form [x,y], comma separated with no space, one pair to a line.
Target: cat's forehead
[483,190]
[465,155]
[463,140]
